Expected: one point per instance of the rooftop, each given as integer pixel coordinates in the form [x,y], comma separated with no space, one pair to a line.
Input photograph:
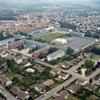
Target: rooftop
[56,53]
[48,82]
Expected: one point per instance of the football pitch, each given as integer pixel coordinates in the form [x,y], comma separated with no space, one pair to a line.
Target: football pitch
[50,36]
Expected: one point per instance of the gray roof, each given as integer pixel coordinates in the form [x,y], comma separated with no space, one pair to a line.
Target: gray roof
[55,53]
[43,49]
[77,34]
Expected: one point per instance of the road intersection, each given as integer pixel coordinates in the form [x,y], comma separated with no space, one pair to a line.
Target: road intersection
[73,78]
[70,71]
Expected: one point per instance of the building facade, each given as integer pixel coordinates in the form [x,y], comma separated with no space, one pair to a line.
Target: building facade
[55,55]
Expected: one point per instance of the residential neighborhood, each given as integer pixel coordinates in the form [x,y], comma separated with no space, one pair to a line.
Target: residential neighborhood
[49,50]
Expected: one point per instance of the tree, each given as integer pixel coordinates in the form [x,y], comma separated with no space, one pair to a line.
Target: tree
[52,50]
[89,64]
[30,98]
[21,47]
[10,64]
[30,51]
[96,50]
[91,80]
[69,51]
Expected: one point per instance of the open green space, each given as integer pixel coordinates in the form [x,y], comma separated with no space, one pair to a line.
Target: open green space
[49,37]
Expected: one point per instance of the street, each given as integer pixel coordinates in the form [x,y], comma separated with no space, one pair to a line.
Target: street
[7,94]
[66,83]
[56,89]
[70,71]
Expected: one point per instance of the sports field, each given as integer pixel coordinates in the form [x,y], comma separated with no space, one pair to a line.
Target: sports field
[50,36]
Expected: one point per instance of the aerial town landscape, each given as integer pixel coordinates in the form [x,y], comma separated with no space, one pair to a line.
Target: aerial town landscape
[50,50]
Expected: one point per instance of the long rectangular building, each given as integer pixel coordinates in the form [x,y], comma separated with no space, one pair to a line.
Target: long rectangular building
[56,55]
[7,41]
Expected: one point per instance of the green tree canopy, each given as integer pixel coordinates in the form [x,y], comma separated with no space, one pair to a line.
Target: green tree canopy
[69,51]
[89,64]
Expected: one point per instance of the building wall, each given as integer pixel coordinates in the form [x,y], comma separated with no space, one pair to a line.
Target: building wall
[16,44]
[58,55]
[6,41]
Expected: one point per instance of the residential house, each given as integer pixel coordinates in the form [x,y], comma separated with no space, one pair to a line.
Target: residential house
[10,57]
[4,54]
[4,65]
[36,54]
[62,95]
[65,66]
[63,76]
[40,68]
[40,88]
[18,59]
[20,95]
[90,87]
[74,88]
[28,64]
[14,90]
[48,82]
[55,72]
[81,82]
[4,80]
[1,50]
[30,70]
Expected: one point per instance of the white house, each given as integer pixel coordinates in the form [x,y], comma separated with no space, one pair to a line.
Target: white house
[63,76]
[30,70]
[4,54]
[18,60]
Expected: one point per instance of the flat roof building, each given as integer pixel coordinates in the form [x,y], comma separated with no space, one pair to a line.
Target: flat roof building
[55,55]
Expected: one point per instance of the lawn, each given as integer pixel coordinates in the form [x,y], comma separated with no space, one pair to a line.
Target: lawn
[50,36]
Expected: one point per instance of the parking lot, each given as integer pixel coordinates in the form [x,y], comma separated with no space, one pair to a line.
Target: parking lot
[77,43]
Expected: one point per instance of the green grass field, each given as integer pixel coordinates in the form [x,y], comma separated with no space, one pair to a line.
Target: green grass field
[50,36]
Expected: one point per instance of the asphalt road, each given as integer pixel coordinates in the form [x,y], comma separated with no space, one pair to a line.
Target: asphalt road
[95,73]
[56,89]
[66,83]
[7,94]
